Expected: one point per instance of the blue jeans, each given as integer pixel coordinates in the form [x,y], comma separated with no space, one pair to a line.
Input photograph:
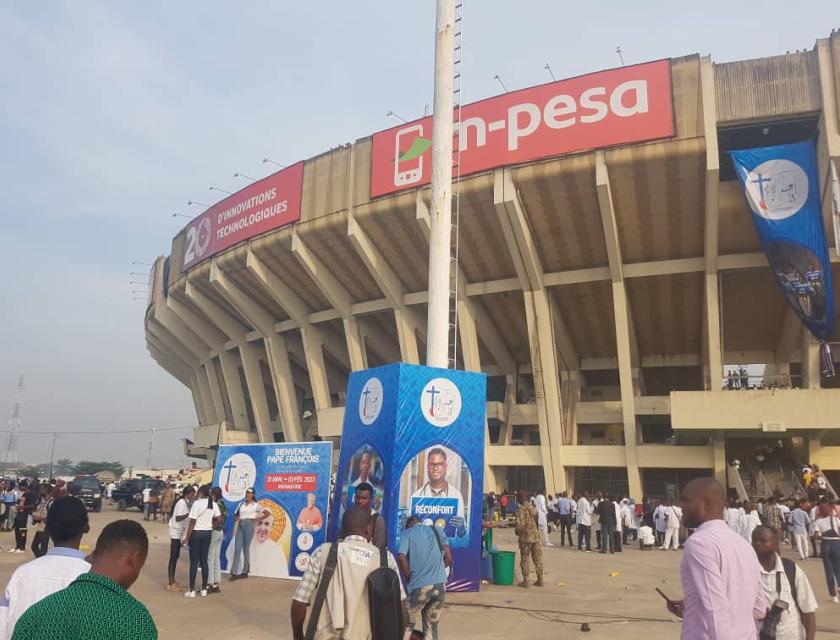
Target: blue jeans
[830,552]
[242,546]
[214,557]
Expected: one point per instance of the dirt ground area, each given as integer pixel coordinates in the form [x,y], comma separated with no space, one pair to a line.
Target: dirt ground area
[613,593]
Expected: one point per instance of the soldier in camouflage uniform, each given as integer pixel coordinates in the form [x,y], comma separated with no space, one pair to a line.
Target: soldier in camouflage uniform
[529,540]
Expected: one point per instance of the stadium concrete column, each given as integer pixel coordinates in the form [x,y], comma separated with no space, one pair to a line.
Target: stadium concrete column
[211,336]
[160,356]
[199,399]
[263,322]
[711,323]
[181,331]
[409,322]
[622,323]
[336,295]
[212,415]
[312,337]
[828,141]
[511,214]
[719,444]
[810,361]
[235,331]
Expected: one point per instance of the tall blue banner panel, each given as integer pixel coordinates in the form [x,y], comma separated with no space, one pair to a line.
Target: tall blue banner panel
[291,482]
[782,187]
[416,434]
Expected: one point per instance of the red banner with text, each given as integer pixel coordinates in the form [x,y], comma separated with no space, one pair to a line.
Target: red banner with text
[262,206]
[602,109]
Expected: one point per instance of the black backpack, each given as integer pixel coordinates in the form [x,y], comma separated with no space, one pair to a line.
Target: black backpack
[383,588]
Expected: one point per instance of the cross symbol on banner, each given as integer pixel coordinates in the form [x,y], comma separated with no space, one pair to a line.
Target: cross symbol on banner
[760,181]
[230,467]
[365,393]
[433,392]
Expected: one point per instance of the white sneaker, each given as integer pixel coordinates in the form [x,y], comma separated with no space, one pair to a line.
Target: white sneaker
[189,594]
[203,593]
[11,550]
[835,599]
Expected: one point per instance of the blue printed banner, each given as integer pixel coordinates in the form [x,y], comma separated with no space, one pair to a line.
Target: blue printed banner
[782,188]
[416,435]
[291,482]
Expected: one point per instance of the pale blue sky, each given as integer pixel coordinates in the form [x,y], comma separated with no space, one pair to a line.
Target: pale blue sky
[114,113]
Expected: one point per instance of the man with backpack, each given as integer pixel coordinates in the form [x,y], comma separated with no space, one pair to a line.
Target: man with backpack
[423,557]
[352,586]
[783,581]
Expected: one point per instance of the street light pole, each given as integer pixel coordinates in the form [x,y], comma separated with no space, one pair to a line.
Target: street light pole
[440,229]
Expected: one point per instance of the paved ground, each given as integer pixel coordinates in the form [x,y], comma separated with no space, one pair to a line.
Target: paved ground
[579,589]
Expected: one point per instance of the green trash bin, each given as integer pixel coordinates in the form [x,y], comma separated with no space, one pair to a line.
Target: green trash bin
[503,564]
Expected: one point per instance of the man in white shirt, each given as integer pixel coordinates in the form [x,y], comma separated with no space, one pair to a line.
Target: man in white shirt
[67,522]
[732,516]
[673,515]
[799,621]
[583,518]
[542,518]
[147,507]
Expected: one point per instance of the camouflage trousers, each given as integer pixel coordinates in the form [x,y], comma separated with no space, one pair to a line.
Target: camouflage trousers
[528,551]
[425,605]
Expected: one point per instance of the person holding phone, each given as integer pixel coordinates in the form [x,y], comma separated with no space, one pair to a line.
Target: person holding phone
[720,574]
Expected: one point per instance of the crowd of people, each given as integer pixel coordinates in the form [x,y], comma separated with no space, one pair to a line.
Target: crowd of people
[725,588]
[735,583]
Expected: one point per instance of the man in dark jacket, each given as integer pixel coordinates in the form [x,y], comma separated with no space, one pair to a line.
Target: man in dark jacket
[606,517]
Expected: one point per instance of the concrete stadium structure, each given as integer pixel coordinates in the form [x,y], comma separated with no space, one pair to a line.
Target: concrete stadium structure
[604,293]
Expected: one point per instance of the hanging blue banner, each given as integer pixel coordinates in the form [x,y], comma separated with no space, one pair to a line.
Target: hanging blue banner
[291,483]
[416,435]
[782,188]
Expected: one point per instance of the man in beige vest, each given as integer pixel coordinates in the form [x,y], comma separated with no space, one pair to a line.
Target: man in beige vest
[345,613]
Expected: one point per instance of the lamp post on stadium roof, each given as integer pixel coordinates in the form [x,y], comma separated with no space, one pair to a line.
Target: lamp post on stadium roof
[230,193]
[239,174]
[440,230]
[145,264]
[282,166]
[175,214]
[189,202]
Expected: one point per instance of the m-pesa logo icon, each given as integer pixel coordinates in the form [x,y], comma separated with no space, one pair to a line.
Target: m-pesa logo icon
[608,108]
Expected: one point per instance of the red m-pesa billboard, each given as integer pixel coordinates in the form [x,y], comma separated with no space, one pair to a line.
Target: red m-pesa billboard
[603,109]
[262,206]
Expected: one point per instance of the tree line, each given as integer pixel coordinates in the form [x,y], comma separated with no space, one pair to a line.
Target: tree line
[66,467]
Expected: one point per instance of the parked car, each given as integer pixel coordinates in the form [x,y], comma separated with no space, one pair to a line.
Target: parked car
[130,492]
[88,490]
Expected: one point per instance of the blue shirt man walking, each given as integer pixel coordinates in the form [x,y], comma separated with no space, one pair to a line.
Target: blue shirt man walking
[423,557]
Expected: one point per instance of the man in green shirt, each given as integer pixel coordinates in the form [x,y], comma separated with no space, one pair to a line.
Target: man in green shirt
[97,605]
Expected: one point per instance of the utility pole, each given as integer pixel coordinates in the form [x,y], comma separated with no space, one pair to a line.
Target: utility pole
[10,455]
[52,455]
[151,450]
[440,231]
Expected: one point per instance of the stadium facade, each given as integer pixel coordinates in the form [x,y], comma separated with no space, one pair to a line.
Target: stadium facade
[609,277]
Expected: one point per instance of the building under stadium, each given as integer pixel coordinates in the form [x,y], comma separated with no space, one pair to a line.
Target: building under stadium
[607,281]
